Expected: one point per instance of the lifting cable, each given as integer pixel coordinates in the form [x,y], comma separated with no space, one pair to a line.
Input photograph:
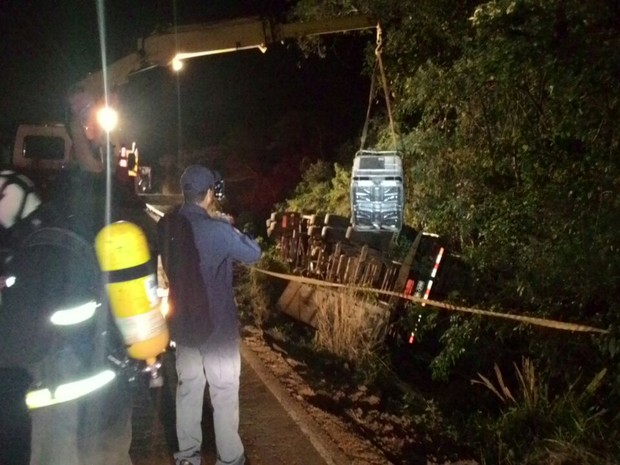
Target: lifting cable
[379,69]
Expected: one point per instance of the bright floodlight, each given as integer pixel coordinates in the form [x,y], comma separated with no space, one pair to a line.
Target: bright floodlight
[107,118]
[177,65]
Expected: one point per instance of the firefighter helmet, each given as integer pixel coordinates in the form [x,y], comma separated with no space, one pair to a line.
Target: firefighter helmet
[18,198]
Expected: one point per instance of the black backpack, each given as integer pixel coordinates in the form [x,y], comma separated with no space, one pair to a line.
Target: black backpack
[187,297]
[54,268]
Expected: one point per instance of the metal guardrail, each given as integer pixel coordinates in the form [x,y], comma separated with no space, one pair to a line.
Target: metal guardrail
[162,199]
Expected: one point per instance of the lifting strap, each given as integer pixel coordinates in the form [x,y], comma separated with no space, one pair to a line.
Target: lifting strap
[381,71]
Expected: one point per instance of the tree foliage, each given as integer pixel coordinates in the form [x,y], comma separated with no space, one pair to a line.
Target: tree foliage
[508,115]
[324,188]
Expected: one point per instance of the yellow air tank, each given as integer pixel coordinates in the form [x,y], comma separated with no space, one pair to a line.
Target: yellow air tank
[123,254]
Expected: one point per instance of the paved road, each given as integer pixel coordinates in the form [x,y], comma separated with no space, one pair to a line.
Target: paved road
[274,429]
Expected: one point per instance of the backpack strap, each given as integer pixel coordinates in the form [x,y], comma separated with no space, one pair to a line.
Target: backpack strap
[166,235]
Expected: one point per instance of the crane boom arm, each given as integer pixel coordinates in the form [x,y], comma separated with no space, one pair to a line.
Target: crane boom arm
[184,42]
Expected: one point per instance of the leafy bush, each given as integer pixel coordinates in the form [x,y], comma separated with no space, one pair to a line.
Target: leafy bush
[257,293]
[324,188]
[536,427]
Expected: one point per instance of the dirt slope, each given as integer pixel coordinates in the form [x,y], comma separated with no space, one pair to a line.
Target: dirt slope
[351,416]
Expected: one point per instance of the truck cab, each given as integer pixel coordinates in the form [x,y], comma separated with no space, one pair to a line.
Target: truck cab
[42,147]
[42,151]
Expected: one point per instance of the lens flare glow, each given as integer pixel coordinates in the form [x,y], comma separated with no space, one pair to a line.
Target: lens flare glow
[177,65]
[107,118]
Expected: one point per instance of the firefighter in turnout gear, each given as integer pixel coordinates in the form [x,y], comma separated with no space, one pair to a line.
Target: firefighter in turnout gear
[60,351]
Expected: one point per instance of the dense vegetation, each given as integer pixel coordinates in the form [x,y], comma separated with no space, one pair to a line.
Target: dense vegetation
[507,114]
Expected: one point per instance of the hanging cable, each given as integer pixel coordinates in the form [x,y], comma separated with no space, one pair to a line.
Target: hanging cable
[384,83]
[381,71]
[370,98]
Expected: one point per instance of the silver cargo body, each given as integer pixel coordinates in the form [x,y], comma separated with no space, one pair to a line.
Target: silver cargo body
[377,194]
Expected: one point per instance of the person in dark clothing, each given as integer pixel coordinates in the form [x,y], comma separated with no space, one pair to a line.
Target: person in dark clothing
[207,351]
[56,336]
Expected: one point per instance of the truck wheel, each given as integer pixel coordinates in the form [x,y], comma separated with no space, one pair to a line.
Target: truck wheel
[331,234]
[336,221]
[316,220]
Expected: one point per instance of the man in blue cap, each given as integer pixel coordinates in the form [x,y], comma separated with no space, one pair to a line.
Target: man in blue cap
[211,353]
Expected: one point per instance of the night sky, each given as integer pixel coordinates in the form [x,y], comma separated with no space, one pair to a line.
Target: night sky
[237,98]
[48,45]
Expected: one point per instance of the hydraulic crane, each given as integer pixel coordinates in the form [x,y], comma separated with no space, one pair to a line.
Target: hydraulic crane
[170,47]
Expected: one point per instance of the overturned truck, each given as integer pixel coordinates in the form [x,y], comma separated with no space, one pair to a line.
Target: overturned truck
[328,248]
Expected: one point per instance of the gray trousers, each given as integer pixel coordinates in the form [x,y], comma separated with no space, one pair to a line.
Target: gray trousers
[219,366]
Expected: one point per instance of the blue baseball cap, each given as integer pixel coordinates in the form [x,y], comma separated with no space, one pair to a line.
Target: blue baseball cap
[197,179]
